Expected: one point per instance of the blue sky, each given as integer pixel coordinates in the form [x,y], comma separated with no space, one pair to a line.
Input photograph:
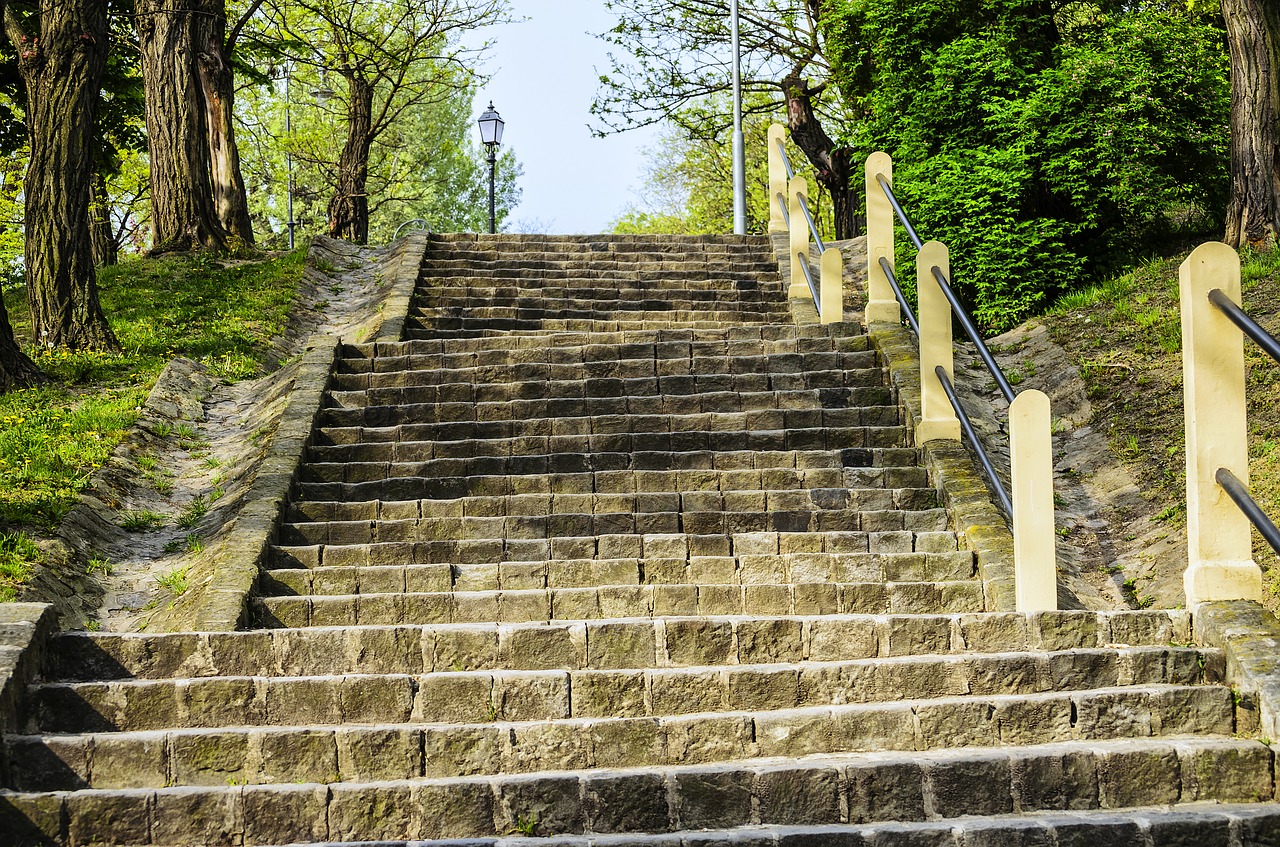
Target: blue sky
[544,78]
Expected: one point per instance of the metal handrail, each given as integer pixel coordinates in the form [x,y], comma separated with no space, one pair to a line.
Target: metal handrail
[1247,325]
[898,293]
[808,275]
[786,214]
[423,226]
[1239,494]
[786,160]
[967,426]
[970,329]
[804,205]
[902,216]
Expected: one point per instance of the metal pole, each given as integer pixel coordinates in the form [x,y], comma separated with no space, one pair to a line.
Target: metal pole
[288,153]
[493,172]
[739,145]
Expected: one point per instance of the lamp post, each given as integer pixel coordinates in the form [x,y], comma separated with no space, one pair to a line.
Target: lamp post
[739,145]
[491,125]
[322,94]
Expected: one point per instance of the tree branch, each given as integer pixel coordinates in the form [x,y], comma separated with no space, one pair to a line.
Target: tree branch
[240,24]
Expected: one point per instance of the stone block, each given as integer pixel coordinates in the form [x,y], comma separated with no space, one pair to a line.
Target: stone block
[616,646]
[455,698]
[719,799]
[1138,777]
[531,696]
[453,810]
[627,803]
[703,739]
[971,786]
[285,814]
[798,796]
[766,641]
[545,805]
[886,791]
[131,761]
[362,813]
[376,699]
[298,755]
[626,743]
[368,754]
[461,751]
[213,818]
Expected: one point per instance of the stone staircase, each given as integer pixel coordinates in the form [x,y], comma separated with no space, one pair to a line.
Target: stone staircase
[610,551]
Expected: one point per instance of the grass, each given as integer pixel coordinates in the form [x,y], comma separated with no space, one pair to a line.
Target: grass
[175,581]
[144,520]
[1126,336]
[54,437]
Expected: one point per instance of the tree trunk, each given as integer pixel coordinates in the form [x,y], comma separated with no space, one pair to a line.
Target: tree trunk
[349,208]
[102,230]
[1253,35]
[16,370]
[171,34]
[832,163]
[217,82]
[62,70]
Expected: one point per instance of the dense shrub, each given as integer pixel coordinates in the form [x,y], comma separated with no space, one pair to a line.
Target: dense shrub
[1042,148]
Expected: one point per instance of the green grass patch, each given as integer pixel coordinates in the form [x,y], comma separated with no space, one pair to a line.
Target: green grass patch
[52,438]
[18,557]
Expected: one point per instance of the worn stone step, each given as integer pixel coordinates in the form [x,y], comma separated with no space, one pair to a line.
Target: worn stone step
[606,482]
[446,328]
[688,294]
[796,568]
[478,723]
[850,789]
[583,463]
[617,368]
[671,642]
[602,347]
[613,601]
[534,527]
[436,316]
[515,505]
[578,388]
[784,549]
[832,439]
[737,713]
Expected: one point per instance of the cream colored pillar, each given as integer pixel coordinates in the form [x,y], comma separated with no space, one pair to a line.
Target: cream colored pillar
[1219,545]
[777,178]
[882,306]
[1035,561]
[796,189]
[831,286]
[938,419]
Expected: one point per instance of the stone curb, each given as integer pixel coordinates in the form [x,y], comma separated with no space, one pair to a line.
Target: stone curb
[1249,635]
[404,279]
[957,477]
[222,578]
[25,629]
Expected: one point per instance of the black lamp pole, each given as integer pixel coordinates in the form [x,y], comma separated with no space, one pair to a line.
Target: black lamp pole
[493,175]
[491,125]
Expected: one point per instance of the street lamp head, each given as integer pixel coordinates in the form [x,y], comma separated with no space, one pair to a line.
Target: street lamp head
[323,94]
[491,124]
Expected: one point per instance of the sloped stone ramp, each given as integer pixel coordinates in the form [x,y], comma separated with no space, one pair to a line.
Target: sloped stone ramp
[609,551]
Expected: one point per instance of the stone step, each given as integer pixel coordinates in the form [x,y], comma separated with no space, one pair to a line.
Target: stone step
[474,290]
[673,387]
[483,261]
[783,549]
[614,601]
[793,569]
[459,328]
[457,403]
[462,316]
[603,482]
[849,789]
[514,505]
[738,714]
[580,347]
[531,527]
[469,724]
[661,642]
[767,337]
[614,368]
[882,430]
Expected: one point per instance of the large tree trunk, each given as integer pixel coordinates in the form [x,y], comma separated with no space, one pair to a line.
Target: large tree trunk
[1253,35]
[16,370]
[832,163]
[102,231]
[217,83]
[349,208]
[171,34]
[62,70]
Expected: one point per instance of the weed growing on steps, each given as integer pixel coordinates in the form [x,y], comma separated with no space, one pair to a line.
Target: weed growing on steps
[195,510]
[143,520]
[52,438]
[175,581]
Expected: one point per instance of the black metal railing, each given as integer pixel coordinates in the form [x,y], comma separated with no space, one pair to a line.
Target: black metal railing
[804,204]
[814,290]
[970,329]
[1230,483]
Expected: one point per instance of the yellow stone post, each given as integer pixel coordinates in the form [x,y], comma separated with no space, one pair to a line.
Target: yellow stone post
[1035,563]
[882,306]
[777,178]
[1219,547]
[938,419]
[796,189]
[831,286]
